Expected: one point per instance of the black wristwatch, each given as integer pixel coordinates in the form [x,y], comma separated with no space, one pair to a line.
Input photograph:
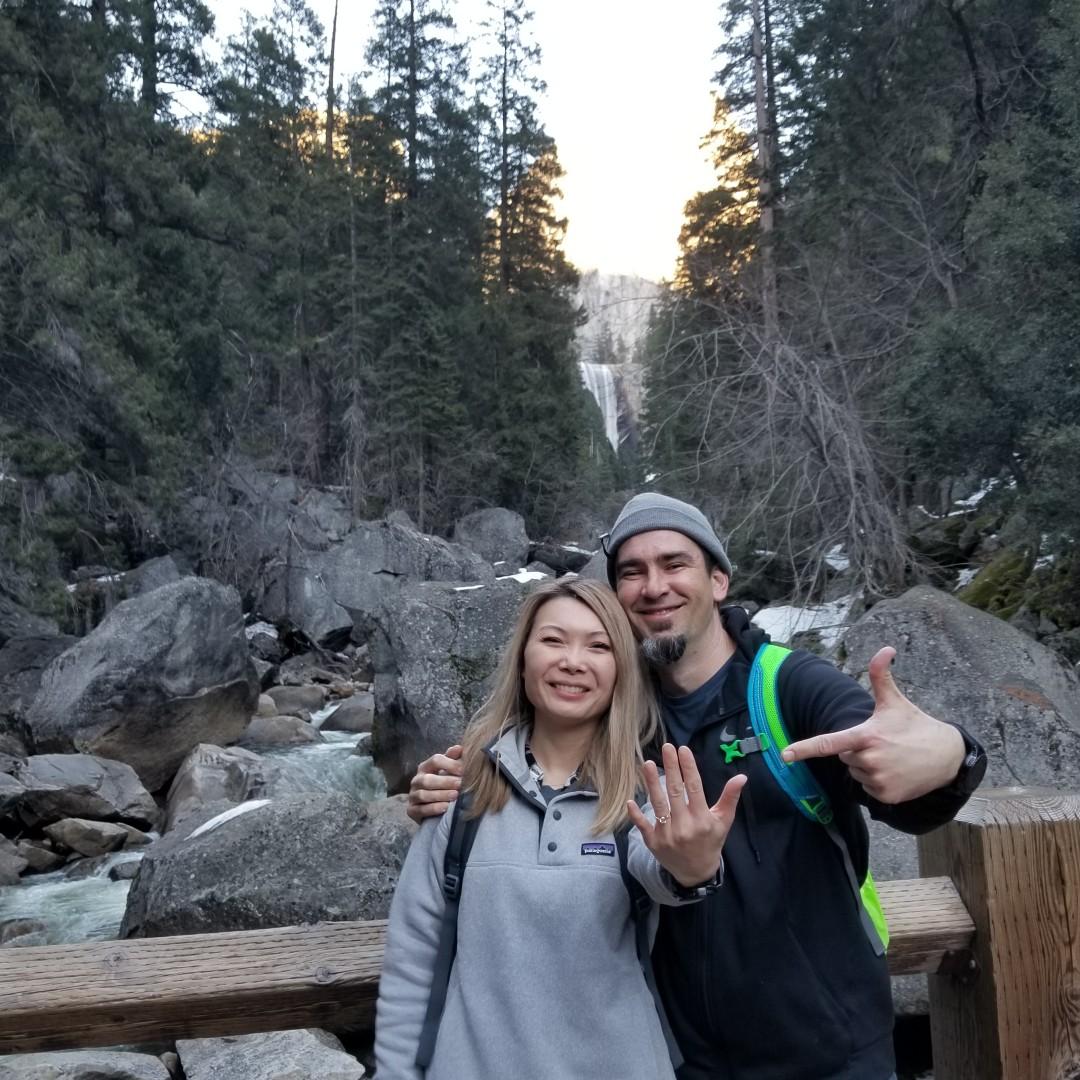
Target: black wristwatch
[695,892]
[972,768]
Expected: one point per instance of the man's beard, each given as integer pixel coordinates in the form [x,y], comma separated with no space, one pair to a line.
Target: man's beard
[664,650]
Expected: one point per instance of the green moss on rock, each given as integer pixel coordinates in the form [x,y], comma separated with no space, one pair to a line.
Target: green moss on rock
[1058,593]
[1000,587]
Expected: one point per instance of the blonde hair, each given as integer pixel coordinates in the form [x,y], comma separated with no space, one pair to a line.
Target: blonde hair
[613,762]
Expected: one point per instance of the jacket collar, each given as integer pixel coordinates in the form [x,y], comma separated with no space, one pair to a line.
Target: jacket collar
[747,637]
[507,752]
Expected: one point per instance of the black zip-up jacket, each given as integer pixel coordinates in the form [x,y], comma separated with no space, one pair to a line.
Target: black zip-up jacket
[772,977]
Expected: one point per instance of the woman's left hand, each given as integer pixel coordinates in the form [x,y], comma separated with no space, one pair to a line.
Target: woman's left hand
[688,835]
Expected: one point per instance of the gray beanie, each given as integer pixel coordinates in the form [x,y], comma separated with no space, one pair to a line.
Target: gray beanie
[649,511]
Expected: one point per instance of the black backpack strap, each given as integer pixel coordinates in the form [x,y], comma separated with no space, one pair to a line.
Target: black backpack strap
[458,846]
[640,908]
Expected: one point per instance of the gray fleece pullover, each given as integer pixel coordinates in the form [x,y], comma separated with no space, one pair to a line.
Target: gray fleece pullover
[546,984]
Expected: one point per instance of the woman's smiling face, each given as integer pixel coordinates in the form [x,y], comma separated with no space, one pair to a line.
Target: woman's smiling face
[568,665]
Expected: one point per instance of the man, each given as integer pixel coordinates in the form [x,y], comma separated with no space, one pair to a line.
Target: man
[772,976]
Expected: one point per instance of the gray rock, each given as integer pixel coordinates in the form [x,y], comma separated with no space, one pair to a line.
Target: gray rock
[266,706]
[12,744]
[40,859]
[273,731]
[496,534]
[562,558]
[1067,643]
[89,838]
[17,622]
[11,792]
[22,661]
[290,699]
[275,1055]
[22,932]
[136,838]
[401,517]
[84,786]
[595,569]
[910,996]
[434,651]
[212,775]
[356,714]
[80,868]
[362,669]
[310,668]
[265,672]
[12,864]
[124,871]
[151,575]
[957,663]
[1026,620]
[275,511]
[293,860]
[162,673]
[326,593]
[83,1065]
[266,647]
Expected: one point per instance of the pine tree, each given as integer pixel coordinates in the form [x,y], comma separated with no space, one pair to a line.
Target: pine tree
[433,215]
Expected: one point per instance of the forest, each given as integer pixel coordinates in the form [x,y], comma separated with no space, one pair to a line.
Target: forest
[361,284]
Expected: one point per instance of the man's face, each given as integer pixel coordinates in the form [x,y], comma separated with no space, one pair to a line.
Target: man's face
[664,587]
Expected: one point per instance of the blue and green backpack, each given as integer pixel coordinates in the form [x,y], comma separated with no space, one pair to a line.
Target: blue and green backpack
[798,782]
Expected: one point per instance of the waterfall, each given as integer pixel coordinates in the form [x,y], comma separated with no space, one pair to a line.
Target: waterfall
[599,380]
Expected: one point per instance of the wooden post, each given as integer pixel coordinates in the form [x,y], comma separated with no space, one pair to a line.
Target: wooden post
[1012,1012]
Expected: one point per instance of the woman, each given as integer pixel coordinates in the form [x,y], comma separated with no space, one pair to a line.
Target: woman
[546,980]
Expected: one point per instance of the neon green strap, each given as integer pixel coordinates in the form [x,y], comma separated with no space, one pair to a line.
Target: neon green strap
[872,903]
[800,785]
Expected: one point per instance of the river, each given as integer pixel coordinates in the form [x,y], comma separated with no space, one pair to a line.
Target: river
[74,905]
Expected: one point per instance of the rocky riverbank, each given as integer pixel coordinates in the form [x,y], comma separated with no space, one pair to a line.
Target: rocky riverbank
[186,766]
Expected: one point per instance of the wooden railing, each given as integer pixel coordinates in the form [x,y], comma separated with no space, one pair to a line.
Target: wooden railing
[997,927]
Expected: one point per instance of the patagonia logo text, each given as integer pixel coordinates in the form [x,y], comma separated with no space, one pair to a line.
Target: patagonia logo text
[598,849]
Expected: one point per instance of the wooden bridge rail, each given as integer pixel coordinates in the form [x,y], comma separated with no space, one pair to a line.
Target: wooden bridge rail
[997,928]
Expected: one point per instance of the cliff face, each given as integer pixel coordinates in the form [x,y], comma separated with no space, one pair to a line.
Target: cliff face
[618,308]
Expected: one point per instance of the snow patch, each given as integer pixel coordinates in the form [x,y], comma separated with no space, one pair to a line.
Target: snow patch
[467,588]
[973,500]
[836,558]
[965,578]
[106,579]
[228,815]
[830,620]
[524,575]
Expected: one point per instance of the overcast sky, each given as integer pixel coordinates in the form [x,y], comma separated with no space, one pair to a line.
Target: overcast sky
[628,102]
